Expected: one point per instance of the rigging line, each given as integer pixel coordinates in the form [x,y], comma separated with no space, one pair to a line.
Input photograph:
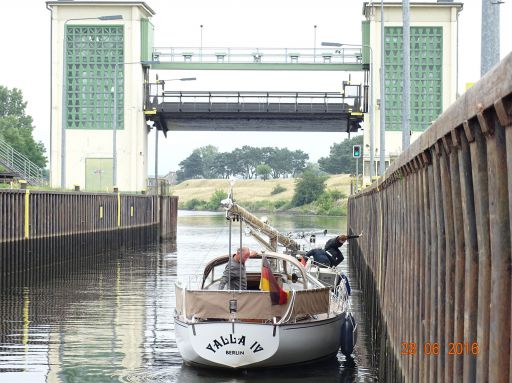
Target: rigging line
[229,255]
[241,256]
[203,259]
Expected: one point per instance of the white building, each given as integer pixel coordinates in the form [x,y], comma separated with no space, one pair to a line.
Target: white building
[433,32]
[103,39]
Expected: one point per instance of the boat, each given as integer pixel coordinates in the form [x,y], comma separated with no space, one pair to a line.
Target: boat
[241,329]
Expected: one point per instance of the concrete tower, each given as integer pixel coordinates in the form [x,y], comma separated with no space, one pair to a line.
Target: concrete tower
[97,50]
[433,69]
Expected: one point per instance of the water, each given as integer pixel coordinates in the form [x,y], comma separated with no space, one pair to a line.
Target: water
[113,322]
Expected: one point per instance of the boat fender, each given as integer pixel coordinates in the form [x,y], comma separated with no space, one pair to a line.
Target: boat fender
[193,329]
[348,334]
[347,284]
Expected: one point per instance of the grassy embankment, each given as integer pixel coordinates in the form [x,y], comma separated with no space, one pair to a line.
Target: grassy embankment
[256,195]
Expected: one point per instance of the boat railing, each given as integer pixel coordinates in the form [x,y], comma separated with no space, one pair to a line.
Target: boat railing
[340,299]
[190,281]
[340,296]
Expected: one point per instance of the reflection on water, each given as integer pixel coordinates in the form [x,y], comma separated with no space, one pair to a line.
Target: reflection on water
[113,321]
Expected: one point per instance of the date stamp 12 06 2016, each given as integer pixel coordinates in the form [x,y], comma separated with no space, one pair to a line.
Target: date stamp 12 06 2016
[435,349]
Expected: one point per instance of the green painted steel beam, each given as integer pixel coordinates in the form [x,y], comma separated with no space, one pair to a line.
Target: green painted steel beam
[257,66]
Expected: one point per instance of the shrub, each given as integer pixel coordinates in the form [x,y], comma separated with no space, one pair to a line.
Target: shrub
[261,205]
[337,210]
[277,189]
[309,186]
[195,204]
[336,194]
[327,200]
[214,202]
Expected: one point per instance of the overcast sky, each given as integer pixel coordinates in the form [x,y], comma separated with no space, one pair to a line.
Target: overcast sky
[25,31]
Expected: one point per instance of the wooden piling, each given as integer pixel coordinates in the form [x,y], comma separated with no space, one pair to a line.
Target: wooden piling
[471,257]
[457,313]
[499,337]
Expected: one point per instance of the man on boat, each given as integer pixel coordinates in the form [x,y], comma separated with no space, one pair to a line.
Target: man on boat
[330,255]
[234,274]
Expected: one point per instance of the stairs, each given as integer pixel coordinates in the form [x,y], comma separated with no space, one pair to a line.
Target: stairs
[19,164]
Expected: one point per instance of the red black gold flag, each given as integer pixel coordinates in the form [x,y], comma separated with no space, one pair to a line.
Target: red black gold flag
[268,282]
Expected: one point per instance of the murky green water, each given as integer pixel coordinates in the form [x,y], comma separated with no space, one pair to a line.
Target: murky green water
[113,322]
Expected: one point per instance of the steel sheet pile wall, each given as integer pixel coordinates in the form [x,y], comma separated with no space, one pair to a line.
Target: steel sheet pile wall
[49,233]
[168,217]
[435,257]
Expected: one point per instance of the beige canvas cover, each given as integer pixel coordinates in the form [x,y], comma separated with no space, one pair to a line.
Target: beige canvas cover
[211,304]
[311,302]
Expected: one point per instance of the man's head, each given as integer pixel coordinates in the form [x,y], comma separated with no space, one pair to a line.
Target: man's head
[246,253]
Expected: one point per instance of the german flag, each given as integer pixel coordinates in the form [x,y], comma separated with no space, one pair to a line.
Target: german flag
[269,283]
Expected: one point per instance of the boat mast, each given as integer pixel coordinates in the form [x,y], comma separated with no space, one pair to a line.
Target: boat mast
[230,218]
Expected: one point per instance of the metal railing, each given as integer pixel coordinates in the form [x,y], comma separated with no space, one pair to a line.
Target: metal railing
[350,55]
[283,102]
[435,257]
[20,164]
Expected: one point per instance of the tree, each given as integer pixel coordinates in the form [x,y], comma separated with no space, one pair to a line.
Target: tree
[264,171]
[208,162]
[223,165]
[201,163]
[208,156]
[280,163]
[234,163]
[308,187]
[340,157]
[16,126]
[191,167]
[298,161]
[249,158]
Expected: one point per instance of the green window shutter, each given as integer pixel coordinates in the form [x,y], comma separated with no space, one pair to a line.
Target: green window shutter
[92,53]
[426,76]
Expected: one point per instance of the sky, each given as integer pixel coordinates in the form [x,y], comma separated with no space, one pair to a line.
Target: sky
[25,31]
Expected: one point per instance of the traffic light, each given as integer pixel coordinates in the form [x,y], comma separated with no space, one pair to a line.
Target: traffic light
[356,151]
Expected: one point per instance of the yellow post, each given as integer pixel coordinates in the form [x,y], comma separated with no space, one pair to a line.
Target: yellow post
[26,318]
[27,215]
[118,209]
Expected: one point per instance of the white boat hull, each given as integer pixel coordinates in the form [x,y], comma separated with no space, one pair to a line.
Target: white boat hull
[248,345]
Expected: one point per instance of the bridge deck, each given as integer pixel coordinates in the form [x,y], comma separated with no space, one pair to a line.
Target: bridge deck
[257,111]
